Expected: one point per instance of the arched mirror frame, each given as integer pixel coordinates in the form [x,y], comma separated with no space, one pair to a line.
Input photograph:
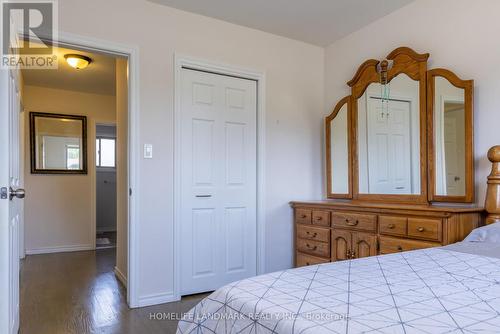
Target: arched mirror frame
[329,186]
[414,65]
[468,87]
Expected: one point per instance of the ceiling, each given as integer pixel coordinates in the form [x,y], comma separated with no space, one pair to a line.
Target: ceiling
[97,78]
[319,22]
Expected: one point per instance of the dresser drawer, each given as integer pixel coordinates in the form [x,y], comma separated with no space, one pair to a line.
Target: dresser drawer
[356,221]
[392,225]
[393,245]
[303,216]
[321,218]
[307,260]
[313,247]
[425,228]
[313,233]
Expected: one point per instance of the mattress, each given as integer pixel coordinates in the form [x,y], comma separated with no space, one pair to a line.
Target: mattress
[439,290]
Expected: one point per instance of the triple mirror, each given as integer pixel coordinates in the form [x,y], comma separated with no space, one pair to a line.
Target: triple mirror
[403,135]
[58,144]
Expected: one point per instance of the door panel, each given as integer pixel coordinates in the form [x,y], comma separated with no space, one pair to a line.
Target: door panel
[235,153]
[218,180]
[204,233]
[235,219]
[10,210]
[364,244]
[341,244]
[203,151]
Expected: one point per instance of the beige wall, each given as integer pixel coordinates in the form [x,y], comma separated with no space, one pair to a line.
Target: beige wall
[459,35]
[121,169]
[59,209]
[294,110]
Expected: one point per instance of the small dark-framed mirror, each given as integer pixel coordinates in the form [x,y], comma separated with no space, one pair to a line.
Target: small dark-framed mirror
[58,143]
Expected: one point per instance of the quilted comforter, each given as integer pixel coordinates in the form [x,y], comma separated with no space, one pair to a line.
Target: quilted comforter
[425,291]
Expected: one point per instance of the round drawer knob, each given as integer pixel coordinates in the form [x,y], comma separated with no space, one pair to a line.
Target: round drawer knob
[391,226]
[420,229]
[400,248]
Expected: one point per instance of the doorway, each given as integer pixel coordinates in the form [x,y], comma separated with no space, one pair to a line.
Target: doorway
[9,309]
[63,227]
[106,186]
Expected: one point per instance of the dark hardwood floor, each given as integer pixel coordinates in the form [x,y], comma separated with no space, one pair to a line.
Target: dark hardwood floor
[66,293]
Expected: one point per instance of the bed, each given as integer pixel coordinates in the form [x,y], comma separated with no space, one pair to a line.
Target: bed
[448,289]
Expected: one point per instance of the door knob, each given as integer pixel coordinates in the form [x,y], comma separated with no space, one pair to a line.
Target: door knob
[18,193]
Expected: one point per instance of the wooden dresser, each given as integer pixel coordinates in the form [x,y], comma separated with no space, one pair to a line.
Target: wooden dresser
[334,230]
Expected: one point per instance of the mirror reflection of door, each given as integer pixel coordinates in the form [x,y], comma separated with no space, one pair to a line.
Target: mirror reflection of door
[389,139]
[454,143]
[449,138]
[389,147]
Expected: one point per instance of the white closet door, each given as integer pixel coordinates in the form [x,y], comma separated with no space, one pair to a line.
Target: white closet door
[389,148]
[219,180]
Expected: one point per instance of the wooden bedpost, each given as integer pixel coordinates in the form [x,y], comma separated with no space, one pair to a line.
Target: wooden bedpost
[492,203]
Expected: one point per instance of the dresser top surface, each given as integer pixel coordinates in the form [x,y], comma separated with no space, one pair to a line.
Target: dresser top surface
[352,204]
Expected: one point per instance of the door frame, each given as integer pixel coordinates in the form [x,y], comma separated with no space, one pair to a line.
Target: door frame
[133,145]
[183,61]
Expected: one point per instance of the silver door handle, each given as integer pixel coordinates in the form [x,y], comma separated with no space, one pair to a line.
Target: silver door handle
[18,193]
[203,195]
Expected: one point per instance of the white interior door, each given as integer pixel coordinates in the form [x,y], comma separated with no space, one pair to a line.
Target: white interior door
[219,180]
[10,206]
[454,142]
[389,148]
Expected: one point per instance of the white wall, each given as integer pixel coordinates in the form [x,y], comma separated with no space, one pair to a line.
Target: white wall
[459,35]
[59,208]
[294,123]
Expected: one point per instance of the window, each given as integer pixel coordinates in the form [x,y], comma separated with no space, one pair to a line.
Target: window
[105,152]
[72,156]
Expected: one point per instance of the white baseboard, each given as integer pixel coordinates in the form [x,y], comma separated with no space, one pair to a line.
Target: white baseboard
[121,277]
[59,249]
[155,299]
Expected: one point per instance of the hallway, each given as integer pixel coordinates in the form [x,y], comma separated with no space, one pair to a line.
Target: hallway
[77,292]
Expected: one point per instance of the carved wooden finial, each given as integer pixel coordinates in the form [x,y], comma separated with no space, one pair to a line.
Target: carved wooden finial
[384,65]
[494,154]
[492,202]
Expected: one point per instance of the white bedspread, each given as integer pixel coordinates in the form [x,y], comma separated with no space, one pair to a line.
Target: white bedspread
[425,291]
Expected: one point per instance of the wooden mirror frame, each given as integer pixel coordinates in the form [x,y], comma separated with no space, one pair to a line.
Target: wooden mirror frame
[468,87]
[329,193]
[34,169]
[414,65]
